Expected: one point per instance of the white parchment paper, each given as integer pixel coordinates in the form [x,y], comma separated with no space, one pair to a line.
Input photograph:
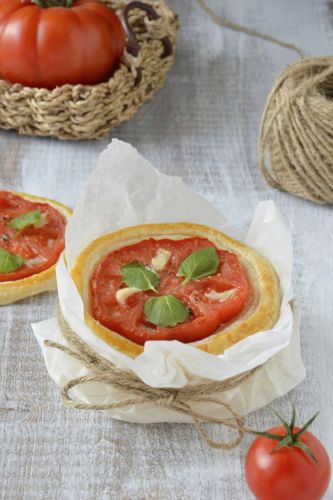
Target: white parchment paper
[126,190]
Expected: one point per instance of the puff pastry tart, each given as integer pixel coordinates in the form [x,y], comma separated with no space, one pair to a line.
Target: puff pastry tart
[32,233]
[179,281]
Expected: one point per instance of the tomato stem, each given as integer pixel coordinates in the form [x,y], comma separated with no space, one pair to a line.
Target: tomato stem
[291,438]
[45,4]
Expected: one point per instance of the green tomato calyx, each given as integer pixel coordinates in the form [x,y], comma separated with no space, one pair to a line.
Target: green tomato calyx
[291,438]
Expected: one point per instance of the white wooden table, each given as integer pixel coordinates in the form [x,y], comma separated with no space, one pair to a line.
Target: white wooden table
[202,126]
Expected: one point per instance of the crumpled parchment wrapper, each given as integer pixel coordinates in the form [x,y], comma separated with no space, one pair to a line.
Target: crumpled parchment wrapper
[126,190]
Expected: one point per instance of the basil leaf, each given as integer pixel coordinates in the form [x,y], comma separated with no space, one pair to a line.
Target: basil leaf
[135,274]
[166,310]
[9,262]
[24,220]
[202,262]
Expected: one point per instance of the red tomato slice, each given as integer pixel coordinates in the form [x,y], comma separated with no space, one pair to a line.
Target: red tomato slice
[206,315]
[39,246]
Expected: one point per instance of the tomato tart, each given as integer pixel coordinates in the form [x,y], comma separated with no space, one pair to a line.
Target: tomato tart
[32,238]
[175,281]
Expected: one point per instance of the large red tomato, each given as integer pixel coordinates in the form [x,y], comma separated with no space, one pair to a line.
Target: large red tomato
[299,470]
[51,46]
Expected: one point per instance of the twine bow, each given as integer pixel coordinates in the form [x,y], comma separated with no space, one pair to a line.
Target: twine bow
[179,400]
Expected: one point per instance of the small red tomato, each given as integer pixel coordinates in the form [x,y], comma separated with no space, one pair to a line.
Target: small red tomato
[297,470]
[46,43]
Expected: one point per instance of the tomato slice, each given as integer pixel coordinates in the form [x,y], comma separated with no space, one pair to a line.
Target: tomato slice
[39,246]
[206,312]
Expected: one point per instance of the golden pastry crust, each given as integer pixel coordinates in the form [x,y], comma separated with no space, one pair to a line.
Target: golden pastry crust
[261,313]
[12,291]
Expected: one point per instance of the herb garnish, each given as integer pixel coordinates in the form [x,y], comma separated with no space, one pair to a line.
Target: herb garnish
[24,220]
[9,262]
[136,274]
[201,263]
[166,310]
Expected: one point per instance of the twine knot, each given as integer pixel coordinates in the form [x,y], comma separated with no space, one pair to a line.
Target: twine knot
[182,400]
[168,400]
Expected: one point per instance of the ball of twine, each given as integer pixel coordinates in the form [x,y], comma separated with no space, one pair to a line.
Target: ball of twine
[296,133]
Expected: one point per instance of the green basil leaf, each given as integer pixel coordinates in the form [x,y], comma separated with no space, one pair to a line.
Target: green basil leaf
[26,219]
[140,276]
[9,262]
[202,262]
[166,310]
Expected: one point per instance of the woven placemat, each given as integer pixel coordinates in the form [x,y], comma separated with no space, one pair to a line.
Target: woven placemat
[91,111]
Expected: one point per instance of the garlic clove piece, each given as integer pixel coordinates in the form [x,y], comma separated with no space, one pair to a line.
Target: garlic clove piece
[124,293]
[161,259]
[220,296]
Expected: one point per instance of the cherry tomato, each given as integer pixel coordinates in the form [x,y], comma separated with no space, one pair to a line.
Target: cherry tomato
[206,314]
[39,246]
[289,473]
[47,47]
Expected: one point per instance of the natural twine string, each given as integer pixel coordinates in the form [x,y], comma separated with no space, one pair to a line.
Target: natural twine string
[225,23]
[180,400]
[296,133]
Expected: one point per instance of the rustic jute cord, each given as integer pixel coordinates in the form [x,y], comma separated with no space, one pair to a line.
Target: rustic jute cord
[180,400]
[91,111]
[225,23]
[296,132]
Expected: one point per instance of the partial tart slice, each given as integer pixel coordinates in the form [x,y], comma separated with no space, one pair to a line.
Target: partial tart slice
[32,238]
[175,281]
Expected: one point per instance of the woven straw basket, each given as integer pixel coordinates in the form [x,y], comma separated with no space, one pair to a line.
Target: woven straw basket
[91,111]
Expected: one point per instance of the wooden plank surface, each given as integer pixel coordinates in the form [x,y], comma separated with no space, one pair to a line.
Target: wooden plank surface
[202,126]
